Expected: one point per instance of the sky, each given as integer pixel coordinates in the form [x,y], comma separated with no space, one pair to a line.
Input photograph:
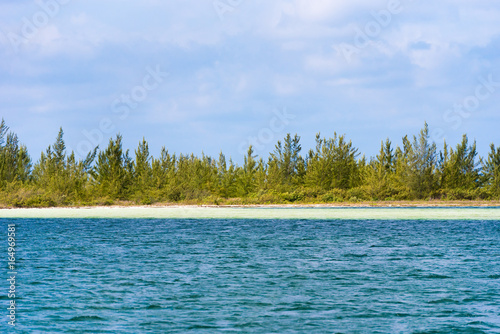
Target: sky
[218,75]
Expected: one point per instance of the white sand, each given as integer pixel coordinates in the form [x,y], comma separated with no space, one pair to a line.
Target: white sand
[198,212]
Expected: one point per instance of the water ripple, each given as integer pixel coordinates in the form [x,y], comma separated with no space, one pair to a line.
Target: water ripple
[258,276]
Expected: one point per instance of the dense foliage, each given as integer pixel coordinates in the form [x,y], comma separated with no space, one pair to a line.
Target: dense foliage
[331,172]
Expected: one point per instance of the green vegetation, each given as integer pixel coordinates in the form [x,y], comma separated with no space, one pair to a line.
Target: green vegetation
[332,172]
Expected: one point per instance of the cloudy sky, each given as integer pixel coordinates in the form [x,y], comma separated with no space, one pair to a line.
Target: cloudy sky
[205,75]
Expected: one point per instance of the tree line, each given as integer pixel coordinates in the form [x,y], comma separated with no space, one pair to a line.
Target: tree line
[333,171]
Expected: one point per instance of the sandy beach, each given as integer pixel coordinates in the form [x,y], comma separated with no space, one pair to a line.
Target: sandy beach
[311,211]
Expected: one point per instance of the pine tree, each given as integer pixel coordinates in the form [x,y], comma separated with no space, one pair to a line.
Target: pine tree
[227,178]
[413,171]
[61,176]
[333,164]
[143,174]
[162,170]
[459,169]
[492,171]
[381,173]
[59,148]
[248,179]
[285,164]
[15,162]
[422,180]
[113,170]
[3,132]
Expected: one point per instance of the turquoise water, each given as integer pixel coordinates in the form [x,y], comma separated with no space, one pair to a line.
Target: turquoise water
[254,276]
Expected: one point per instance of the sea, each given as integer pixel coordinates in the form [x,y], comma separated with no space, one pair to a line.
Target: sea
[214,275]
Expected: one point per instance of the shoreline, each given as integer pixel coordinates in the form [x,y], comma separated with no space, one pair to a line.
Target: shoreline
[358,211]
[367,204]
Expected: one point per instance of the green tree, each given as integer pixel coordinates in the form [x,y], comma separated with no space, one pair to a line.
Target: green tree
[113,170]
[491,170]
[333,164]
[227,178]
[143,172]
[62,177]
[163,169]
[381,174]
[248,175]
[422,179]
[415,167]
[15,163]
[3,132]
[459,170]
[286,166]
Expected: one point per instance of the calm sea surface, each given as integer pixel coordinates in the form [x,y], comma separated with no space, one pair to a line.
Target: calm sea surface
[253,276]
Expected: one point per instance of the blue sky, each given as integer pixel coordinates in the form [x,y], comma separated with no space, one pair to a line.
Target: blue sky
[218,75]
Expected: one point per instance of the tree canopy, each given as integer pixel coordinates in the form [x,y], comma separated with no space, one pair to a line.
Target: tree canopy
[333,171]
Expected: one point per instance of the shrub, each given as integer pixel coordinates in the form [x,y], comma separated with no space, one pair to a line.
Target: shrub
[358,194]
[334,195]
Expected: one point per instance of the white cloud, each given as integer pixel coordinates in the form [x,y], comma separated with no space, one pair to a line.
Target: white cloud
[261,54]
[330,64]
[320,10]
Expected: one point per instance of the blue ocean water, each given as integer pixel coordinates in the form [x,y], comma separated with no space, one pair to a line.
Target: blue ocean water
[253,276]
